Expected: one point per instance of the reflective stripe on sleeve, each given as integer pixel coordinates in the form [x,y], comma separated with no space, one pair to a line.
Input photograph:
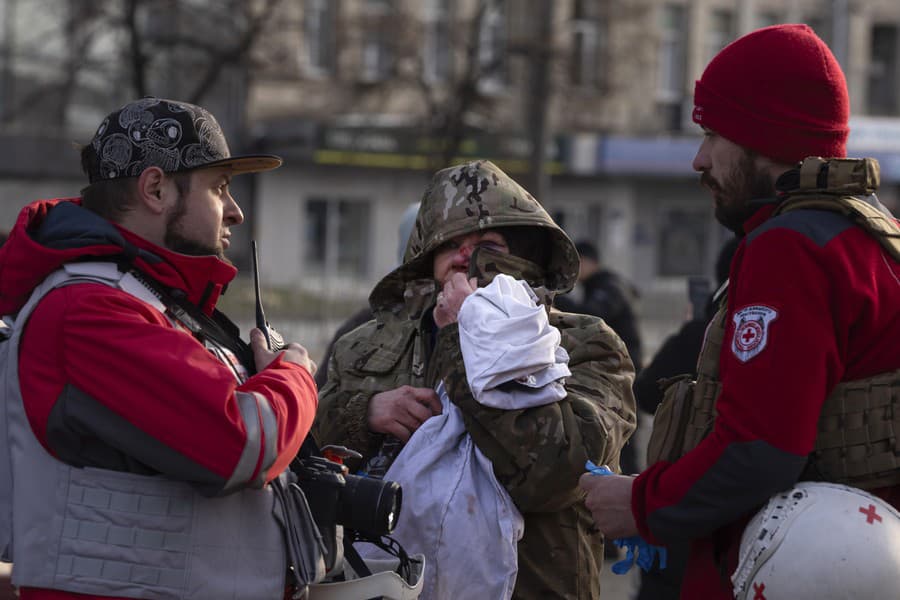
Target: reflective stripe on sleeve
[246,465]
[270,435]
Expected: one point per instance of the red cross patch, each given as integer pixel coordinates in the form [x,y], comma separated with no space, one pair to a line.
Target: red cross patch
[871,514]
[751,330]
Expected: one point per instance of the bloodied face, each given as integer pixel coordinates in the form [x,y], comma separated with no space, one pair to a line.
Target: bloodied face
[453,256]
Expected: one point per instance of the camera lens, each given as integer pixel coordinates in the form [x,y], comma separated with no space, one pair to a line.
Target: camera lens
[369,506]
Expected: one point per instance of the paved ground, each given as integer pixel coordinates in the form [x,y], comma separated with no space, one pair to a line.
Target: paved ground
[613,587]
[618,587]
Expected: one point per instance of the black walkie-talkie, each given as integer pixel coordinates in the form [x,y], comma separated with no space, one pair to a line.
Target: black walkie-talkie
[274,341]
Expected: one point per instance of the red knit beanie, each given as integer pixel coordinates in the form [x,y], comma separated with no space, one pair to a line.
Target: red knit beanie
[778,91]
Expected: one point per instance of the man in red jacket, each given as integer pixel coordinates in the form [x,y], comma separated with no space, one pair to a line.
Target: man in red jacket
[811,313]
[142,432]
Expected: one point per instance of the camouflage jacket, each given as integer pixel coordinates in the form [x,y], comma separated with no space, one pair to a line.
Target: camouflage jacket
[538,453]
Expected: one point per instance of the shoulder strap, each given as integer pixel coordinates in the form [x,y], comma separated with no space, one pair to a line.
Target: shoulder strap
[109,273]
[878,223]
[84,272]
[218,328]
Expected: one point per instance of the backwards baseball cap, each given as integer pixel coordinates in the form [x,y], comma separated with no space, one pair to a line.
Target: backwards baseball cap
[174,136]
[778,91]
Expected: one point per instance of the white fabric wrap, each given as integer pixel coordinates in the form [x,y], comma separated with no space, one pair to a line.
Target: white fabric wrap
[505,337]
[455,512]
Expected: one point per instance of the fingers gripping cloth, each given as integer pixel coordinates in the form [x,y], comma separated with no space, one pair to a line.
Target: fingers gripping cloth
[637,547]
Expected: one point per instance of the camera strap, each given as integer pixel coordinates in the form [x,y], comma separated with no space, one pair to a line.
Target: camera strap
[218,328]
[305,546]
[385,543]
[356,561]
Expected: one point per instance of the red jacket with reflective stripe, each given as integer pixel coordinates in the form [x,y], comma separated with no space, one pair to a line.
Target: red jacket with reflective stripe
[96,362]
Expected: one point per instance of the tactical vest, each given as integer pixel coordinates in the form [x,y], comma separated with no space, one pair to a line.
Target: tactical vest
[110,533]
[846,186]
[858,439]
[688,409]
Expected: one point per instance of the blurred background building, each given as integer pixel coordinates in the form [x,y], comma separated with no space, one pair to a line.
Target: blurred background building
[585,102]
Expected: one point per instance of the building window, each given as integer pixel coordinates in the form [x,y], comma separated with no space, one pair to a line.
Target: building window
[588,34]
[766,19]
[376,50]
[492,47]
[672,65]
[319,36]
[437,60]
[337,236]
[720,32]
[821,26]
[882,96]
[376,56]
[682,246]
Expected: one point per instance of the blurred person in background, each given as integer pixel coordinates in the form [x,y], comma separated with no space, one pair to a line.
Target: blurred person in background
[678,353]
[604,293]
[677,356]
[476,222]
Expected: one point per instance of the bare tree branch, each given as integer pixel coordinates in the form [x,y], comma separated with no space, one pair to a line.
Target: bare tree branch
[451,128]
[448,105]
[219,60]
[78,30]
[136,55]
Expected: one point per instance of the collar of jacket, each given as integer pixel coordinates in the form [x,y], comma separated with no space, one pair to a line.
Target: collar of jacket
[51,233]
[395,299]
[759,217]
[201,278]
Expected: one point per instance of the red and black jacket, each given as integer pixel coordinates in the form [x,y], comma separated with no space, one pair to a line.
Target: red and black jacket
[830,293]
[107,380]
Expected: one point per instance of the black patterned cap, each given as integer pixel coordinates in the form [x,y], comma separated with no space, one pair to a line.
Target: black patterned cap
[174,136]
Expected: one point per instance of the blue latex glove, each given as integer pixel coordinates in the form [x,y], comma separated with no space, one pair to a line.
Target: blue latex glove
[636,545]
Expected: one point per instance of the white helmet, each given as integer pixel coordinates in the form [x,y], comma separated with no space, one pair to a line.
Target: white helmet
[820,540]
[384,582]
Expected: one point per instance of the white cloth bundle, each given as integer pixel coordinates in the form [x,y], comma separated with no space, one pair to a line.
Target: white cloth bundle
[505,337]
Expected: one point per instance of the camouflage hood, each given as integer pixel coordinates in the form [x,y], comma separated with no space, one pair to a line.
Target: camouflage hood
[472,197]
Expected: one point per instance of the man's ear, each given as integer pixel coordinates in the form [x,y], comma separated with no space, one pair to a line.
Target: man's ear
[152,190]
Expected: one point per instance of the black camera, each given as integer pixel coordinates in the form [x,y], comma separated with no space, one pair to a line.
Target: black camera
[366,505]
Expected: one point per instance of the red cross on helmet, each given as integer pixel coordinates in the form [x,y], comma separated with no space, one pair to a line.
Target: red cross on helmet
[820,540]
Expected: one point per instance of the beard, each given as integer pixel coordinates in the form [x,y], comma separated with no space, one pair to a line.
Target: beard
[733,197]
[176,238]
